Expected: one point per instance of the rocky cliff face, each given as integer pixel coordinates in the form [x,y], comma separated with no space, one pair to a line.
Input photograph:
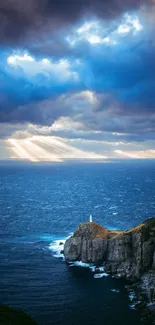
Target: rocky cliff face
[126,254]
[129,254]
[88,244]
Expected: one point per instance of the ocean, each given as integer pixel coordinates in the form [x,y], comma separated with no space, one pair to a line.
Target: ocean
[40,206]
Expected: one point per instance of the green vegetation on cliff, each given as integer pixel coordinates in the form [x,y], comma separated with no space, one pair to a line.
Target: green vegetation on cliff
[9,316]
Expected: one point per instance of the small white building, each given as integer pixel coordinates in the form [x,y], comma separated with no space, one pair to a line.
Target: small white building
[91,218]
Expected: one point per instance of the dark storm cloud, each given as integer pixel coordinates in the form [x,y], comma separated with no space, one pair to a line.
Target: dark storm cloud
[6,130]
[32,99]
[21,20]
[122,82]
[124,74]
[121,77]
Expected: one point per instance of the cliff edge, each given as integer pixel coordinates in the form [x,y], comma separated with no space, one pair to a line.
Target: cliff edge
[127,254]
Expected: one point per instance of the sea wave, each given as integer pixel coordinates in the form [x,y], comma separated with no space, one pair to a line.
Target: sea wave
[57,246]
[133,299]
[80,264]
[100,275]
[98,270]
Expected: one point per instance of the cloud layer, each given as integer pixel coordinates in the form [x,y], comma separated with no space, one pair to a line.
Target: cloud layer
[21,20]
[78,70]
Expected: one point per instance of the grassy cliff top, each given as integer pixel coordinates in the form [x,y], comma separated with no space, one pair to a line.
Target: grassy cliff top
[148,224]
[92,230]
[147,229]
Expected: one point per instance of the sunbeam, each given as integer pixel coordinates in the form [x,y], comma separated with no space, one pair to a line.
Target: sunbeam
[41,148]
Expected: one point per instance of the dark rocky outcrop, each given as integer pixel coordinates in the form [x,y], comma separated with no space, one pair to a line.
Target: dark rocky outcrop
[88,243]
[9,316]
[126,254]
[129,254]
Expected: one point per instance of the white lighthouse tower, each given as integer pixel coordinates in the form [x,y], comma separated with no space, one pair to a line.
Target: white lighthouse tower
[91,218]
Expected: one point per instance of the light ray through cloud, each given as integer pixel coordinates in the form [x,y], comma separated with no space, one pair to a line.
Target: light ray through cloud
[136,154]
[80,90]
[41,148]
[20,151]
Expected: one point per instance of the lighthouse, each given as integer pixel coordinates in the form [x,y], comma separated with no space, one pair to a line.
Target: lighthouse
[91,218]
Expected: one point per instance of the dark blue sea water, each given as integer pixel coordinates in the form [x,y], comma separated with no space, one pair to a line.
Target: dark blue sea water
[40,204]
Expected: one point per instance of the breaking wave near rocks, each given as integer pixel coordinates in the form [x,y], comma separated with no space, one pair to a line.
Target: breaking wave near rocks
[57,248]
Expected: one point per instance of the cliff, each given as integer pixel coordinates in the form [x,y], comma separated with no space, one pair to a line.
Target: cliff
[126,254]
[129,254]
[88,243]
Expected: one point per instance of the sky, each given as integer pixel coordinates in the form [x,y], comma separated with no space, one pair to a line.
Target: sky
[77,79]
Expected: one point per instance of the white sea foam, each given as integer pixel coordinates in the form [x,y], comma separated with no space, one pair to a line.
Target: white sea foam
[115,290]
[100,275]
[93,268]
[80,264]
[132,306]
[57,246]
[132,295]
[97,206]
[113,207]
[97,268]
